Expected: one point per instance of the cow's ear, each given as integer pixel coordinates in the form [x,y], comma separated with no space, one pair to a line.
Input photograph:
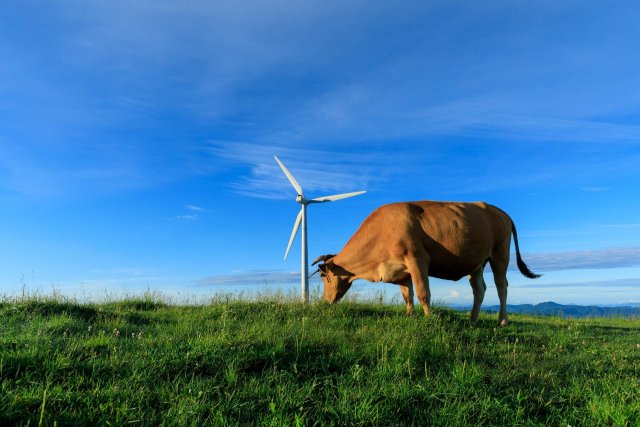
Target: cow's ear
[323,258]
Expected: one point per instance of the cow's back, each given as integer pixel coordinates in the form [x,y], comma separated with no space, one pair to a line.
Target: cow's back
[458,237]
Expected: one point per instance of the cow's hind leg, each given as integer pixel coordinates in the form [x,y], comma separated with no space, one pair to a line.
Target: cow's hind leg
[418,267]
[479,287]
[407,293]
[499,266]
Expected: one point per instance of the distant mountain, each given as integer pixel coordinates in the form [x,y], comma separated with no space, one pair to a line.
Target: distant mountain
[551,308]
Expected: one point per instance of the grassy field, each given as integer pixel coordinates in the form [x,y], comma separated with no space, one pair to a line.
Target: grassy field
[140,361]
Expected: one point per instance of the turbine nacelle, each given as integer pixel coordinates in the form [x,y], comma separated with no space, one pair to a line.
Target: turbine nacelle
[304,201]
[302,219]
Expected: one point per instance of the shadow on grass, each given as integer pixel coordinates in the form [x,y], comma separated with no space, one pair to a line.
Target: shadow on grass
[53,307]
[618,330]
[137,304]
[362,310]
[131,311]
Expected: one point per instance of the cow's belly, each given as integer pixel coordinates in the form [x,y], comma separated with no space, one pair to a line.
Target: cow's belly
[454,271]
[446,275]
[397,272]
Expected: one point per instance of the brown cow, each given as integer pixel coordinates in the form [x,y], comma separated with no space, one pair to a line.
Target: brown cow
[405,243]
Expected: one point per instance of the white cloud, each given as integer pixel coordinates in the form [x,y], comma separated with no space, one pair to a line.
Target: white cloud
[454,294]
[612,257]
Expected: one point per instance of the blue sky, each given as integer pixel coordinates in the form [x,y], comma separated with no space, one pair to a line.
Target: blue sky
[137,138]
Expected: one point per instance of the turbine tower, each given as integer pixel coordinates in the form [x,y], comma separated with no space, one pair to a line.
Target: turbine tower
[302,218]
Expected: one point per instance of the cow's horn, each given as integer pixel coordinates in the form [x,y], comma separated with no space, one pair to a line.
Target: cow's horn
[323,258]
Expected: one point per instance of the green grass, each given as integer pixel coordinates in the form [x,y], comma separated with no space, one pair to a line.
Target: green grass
[281,363]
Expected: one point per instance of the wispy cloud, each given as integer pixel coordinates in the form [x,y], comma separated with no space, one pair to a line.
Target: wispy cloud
[193,213]
[595,189]
[142,84]
[317,171]
[613,257]
[584,230]
[38,170]
[621,226]
[187,217]
[129,271]
[475,120]
[253,277]
[631,283]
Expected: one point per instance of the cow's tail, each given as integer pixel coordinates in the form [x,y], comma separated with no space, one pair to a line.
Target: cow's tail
[521,265]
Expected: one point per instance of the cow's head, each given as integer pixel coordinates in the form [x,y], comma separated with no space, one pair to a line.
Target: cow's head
[336,279]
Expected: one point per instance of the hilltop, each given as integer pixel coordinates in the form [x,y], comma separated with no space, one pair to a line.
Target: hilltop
[282,363]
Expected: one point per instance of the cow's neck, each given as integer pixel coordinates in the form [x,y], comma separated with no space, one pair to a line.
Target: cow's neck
[355,259]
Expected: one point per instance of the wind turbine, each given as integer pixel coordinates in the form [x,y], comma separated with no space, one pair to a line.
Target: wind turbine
[302,218]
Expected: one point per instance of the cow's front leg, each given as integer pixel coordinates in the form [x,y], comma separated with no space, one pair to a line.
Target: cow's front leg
[419,270]
[407,293]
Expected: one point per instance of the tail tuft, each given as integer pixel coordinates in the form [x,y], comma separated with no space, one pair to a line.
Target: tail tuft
[524,269]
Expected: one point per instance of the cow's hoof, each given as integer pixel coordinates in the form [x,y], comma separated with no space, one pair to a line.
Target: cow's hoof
[503,323]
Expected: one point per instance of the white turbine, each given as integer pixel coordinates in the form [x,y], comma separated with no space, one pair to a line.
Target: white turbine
[302,218]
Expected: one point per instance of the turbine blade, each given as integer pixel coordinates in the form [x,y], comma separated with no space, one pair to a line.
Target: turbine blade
[337,197]
[292,180]
[296,225]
